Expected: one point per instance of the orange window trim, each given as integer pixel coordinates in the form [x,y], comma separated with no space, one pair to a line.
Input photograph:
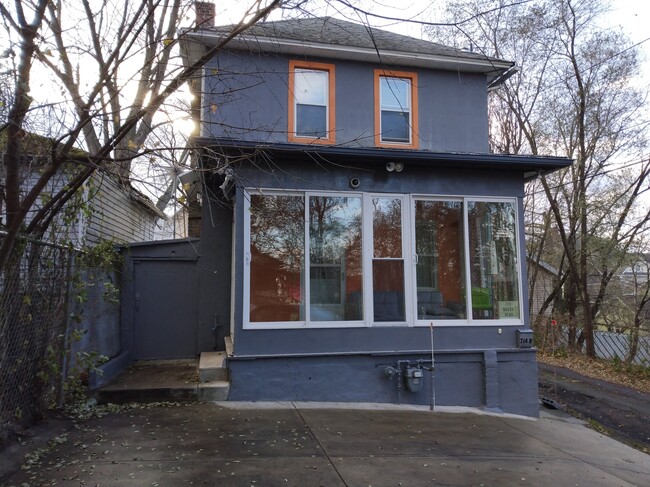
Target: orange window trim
[413,77]
[331,118]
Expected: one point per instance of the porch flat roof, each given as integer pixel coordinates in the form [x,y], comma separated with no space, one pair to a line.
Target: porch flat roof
[531,166]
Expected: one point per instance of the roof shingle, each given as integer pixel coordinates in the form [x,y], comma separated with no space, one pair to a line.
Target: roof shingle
[336,32]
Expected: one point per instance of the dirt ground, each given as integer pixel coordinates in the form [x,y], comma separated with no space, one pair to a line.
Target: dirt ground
[616,410]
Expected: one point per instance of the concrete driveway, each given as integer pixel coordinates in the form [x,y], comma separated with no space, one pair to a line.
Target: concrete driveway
[294,444]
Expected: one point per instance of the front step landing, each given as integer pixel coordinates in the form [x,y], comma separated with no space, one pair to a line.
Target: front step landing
[170,380]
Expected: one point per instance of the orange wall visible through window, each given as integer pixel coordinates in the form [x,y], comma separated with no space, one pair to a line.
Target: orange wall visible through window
[330,138]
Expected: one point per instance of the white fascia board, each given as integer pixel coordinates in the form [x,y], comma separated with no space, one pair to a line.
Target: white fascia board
[286,46]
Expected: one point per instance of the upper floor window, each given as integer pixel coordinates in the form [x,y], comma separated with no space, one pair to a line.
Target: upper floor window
[311,102]
[396,109]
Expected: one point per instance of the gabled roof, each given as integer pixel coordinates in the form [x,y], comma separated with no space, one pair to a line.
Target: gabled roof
[334,38]
[543,265]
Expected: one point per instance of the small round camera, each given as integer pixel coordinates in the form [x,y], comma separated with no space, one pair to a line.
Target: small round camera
[354,182]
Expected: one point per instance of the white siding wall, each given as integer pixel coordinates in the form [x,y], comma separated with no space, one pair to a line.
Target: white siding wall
[543,288]
[117,215]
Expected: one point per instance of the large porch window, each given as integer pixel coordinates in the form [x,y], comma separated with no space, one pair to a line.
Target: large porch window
[387,260]
[494,272]
[335,258]
[440,261]
[353,259]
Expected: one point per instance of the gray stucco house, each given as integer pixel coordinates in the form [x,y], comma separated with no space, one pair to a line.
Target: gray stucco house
[352,215]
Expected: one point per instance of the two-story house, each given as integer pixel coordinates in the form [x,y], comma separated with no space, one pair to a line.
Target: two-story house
[354,219]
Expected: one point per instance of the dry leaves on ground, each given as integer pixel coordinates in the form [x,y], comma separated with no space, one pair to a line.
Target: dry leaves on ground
[617,372]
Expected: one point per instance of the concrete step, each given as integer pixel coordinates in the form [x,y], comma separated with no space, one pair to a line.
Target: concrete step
[153,381]
[213,391]
[229,346]
[212,367]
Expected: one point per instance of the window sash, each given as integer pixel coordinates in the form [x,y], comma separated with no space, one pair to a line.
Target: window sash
[311,86]
[494,260]
[395,94]
[395,107]
[311,120]
[311,103]
[439,257]
[335,258]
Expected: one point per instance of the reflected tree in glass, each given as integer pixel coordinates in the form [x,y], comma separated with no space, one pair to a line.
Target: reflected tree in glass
[335,258]
[493,260]
[388,261]
[440,261]
[277,248]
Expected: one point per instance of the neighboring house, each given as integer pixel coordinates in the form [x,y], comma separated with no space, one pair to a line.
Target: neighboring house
[118,212]
[545,277]
[352,216]
[635,276]
[634,285]
[174,226]
[105,209]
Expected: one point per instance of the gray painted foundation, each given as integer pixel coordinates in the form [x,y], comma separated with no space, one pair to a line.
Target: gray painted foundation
[496,381]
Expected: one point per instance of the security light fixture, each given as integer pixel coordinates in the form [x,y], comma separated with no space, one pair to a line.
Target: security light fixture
[394,166]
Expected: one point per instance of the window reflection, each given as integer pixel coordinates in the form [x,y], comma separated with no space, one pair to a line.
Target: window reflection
[335,258]
[387,264]
[277,258]
[395,105]
[387,227]
[439,269]
[493,260]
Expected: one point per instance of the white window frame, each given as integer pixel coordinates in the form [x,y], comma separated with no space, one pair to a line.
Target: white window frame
[368,257]
[295,67]
[328,324]
[468,278]
[408,257]
[414,295]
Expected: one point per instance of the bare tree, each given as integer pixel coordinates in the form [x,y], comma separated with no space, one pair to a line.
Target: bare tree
[114,68]
[83,88]
[573,97]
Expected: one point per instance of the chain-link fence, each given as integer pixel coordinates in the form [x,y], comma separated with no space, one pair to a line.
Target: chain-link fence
[34,302]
